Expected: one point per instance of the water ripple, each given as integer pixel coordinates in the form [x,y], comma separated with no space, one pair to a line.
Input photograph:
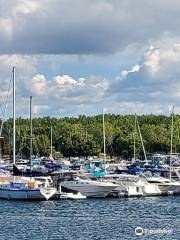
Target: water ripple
[91,219]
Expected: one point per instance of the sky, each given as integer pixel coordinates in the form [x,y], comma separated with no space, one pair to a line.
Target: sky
[77,57]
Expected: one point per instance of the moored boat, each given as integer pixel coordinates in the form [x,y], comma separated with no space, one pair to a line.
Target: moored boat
[165,185]
[90,188]
[25,191]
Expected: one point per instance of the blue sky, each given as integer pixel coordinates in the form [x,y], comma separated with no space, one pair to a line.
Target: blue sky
[75,57]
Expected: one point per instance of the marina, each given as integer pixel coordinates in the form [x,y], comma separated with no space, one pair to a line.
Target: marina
[127,181]
[89,120]
[44,178]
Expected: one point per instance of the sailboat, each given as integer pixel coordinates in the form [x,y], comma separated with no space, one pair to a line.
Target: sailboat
[24,189]
[167,186]
[26,170]
[133,185]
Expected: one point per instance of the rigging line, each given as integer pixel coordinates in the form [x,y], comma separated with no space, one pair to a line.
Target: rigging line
[111,150]
[142,143]
[44,143]
[1,109]
[19,131]
[18,126]
[5,106]
[109,143]
[9,86]
[36,147]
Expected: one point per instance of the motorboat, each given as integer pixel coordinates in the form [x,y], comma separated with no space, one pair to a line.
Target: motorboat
[127,184]
[165,185]
[149,189]
[88,187]
[132,185]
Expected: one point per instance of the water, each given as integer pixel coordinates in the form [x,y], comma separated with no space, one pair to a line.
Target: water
[91,219]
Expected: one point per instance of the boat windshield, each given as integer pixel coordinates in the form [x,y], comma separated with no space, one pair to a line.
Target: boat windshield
[82,177]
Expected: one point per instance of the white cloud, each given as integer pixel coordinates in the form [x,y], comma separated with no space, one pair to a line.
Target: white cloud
[25,70]
[85,26]
[152,60]
[155,86]
[25,7]
[92,40]
[151,85]
[38,85]
[51,95]
[6,28]
[124,73]
[38,109]
[67,81]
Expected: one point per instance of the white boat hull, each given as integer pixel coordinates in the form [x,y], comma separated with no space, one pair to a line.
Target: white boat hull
[165,185]
[90,190]
[129,191]
[33,194]
[132,186]
[21,194]
[169,188]
[151,190]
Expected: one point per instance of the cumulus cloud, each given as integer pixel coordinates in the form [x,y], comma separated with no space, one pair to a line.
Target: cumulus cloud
[26,68]
[38,85]
[65,92]
[95,44]
[151,85]
[59,94]
[84,26]
[154,84]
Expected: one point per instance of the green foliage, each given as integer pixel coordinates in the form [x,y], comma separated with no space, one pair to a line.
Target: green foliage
[83,136]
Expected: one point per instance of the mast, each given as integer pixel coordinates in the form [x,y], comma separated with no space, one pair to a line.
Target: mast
[14,117]
[30,116]
[135,138]
[141,140]
[104,136]
[51,155]
[171,147]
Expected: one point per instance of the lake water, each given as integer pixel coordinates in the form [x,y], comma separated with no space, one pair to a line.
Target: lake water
[91,219]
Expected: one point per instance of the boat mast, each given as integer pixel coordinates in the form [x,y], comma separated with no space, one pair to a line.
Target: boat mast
[14,117]
[51,155]
[30,116]
[104,135]
[171,150]
[135,138]
[141,140]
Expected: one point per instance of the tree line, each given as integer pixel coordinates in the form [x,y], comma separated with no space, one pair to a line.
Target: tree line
[83,136]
